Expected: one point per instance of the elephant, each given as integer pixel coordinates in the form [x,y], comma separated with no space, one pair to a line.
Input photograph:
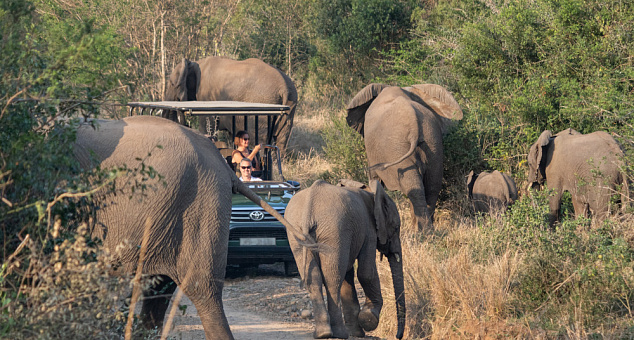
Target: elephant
[347,222]
[403,129]
[250,80]
[180,225]
[589,166]
[491,191]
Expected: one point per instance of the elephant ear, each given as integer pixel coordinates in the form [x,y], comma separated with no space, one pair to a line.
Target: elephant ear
[536,153]
[439,100]
[348,183]
[511,187]
[471,178]
[388,220]
[359,105]
[176,89]
[193,80]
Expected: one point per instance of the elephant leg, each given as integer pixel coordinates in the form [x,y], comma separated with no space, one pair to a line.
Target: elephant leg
[420,212]
[207,299]
[554,203]
[333,282]
[351,306]
[599,205]
[369,279]
[314,284]
[155,302]
[283,133]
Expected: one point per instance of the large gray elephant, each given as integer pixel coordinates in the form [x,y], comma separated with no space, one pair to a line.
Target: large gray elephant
[250,80]
[350,223]
[181,225]
[491,191]
[403,130]
[590,167]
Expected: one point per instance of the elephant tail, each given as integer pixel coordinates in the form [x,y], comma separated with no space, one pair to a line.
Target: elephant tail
[412,148]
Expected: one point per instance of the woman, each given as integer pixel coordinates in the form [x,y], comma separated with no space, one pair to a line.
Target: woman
[241,142]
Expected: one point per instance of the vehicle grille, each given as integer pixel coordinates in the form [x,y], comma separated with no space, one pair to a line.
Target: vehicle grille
[242,215]
[238,233]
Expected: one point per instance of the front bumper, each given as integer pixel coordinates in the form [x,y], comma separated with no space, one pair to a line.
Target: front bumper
[254,243]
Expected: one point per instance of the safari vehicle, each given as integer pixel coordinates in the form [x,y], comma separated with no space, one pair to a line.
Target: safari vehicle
[255,236]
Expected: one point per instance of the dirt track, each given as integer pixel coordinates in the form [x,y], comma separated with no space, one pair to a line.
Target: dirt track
[260,304]
[265,305]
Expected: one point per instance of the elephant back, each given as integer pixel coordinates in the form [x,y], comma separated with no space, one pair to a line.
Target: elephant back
[439,100]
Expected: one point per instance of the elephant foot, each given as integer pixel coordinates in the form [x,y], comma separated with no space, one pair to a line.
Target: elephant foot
[368,320]
[356,331]
[340,332]
[322,332]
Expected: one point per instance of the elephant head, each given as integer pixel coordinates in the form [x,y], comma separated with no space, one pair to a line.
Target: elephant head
[182,84]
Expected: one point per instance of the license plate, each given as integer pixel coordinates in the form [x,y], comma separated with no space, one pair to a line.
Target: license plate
[260,241]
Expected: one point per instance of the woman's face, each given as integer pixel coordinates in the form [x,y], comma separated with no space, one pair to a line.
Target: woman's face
[245,140]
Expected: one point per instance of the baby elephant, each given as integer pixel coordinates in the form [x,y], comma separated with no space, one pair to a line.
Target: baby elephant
[348,222]
[490,191]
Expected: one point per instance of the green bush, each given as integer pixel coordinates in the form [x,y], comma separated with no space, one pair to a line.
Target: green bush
[345,150]
[577,269]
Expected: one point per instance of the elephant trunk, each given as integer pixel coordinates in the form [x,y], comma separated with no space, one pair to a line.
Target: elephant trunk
[396,267]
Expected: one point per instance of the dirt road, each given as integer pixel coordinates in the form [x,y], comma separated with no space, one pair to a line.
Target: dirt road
[264,305]
[245,325]
[259,304]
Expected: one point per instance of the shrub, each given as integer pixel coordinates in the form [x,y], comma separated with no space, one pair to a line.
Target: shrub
[578,272]
[345,150]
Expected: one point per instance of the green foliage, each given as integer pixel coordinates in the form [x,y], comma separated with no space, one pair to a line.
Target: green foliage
[345,150]
[574,269]
[51,272]
[348,34]
[518,68]
[275,34]
[352,26]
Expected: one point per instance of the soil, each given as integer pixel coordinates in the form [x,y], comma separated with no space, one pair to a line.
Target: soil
[260,303]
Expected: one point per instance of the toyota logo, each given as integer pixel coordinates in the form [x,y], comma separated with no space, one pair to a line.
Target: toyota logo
[256,215]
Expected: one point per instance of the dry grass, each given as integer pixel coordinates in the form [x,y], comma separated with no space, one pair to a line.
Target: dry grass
[450,295]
